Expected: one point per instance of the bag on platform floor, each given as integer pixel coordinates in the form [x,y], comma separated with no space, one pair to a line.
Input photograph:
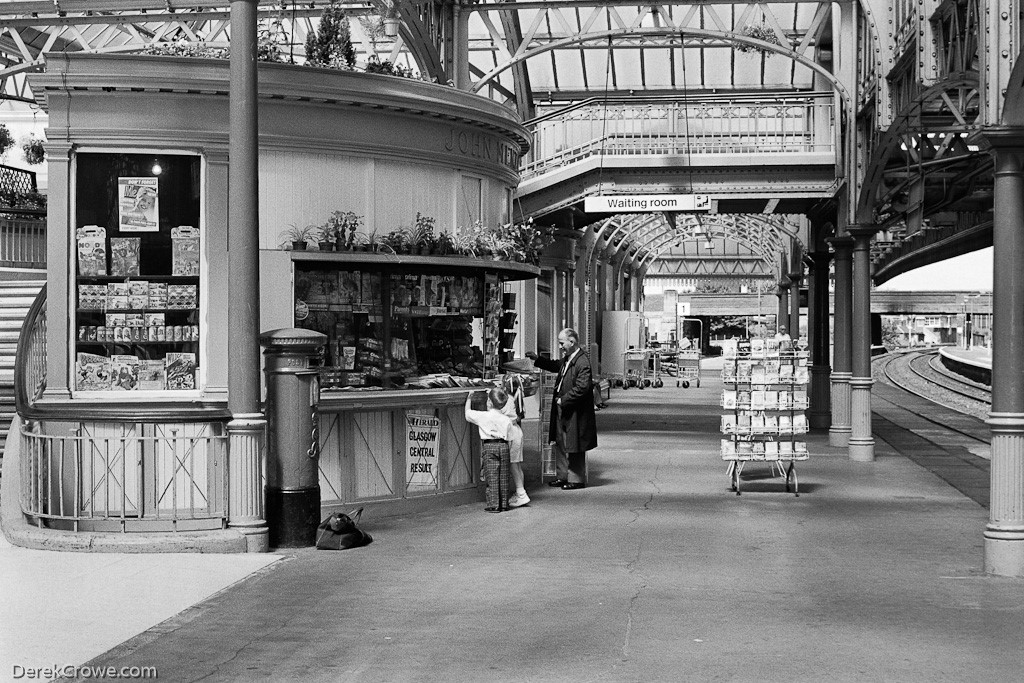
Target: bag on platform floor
[339,532]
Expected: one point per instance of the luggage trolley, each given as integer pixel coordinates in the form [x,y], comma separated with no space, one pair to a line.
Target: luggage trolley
[634,369]
[688,360]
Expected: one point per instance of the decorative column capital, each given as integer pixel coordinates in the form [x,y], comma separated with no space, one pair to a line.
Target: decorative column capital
[841,244]
[861,233]
[1004,138]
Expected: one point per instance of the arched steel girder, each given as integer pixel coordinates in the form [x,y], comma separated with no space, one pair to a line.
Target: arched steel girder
[647,236]
[728,37]
[930,137]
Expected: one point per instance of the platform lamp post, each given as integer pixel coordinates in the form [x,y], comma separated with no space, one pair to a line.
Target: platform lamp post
[247,428]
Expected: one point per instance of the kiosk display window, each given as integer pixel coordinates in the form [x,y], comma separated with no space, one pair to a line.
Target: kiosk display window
[397,328]
[137,262]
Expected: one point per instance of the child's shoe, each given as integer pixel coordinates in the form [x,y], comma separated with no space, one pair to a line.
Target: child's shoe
[518,500]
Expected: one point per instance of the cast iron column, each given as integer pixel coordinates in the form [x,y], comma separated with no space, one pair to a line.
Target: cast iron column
[819,416]
[782,319]
[795,278]
[839,432]
[247,428]
[862,443]
[1004,534]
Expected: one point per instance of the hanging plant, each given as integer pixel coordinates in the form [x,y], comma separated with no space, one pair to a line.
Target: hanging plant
[762,32]
[34,151]
[6,139]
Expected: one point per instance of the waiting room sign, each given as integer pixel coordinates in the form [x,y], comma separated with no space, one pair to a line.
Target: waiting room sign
[642,203]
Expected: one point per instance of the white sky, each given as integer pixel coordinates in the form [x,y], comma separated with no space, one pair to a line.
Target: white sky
[968,273]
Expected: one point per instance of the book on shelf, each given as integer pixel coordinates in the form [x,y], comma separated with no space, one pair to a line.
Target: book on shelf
[785,448]
[728,424]
[771,399]
[771,423]
[771,371]
[801,376]
[729,399]
[743,399]
[92,250]
[799,423]
[785,400]
[743,422]
[800,447]
[771,347]
[743,370]
[786,373]
[800,399]
[757,374]
[757,423]
[785,424]
[771,449]
[757,399]
[728,447]
[151,375]
[180,369]
[124,255]
[757,348]
[185,250]
[124,372]
[92,372]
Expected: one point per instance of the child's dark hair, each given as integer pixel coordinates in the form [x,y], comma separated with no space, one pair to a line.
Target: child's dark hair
[498,397]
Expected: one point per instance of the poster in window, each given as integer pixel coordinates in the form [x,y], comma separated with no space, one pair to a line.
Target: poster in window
[185,250]
[138,205]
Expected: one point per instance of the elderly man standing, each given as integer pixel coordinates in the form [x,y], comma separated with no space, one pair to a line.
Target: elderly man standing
[573,428]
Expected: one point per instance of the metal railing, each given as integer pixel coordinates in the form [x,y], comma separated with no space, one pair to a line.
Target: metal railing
[22,241]
[783,124]
[115,466]
[125,477]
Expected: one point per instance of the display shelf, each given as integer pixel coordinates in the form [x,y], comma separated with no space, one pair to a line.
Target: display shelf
[765,398]
[136,278]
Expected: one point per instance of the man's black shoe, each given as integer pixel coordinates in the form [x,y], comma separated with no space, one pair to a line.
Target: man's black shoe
[558,482]
[571,485]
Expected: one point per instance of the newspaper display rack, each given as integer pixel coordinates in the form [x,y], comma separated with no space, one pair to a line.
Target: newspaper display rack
[765,397]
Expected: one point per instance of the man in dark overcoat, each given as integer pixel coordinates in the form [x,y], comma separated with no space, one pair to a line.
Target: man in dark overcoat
[573,427]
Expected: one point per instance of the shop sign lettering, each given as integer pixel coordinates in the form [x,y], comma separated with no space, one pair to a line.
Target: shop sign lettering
[421,449]
[484,147]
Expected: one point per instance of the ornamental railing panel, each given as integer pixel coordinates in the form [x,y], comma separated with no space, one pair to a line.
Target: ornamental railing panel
[777,125]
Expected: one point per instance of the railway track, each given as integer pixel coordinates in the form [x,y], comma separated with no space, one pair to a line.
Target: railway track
[914,372]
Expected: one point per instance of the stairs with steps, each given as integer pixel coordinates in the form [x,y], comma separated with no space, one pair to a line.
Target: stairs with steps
[16,297]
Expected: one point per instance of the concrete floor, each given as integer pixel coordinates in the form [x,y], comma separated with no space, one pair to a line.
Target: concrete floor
[656,572]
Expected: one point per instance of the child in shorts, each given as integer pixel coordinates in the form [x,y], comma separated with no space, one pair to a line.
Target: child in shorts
[495,432]
[514,409]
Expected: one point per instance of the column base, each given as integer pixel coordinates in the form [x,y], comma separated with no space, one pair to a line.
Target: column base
[861,450]
[293,517]
[839,436]
[862,442]
[1004,552]
[257,537]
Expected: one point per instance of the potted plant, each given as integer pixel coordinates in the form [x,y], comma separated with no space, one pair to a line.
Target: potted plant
[331,45]
[762,32]
[464,244]
[296,236]
[443,245]
[345,224]
[325,236]
[422,234]
[398,240]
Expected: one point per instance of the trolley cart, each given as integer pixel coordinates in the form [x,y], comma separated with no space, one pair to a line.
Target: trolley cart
[654,365]
[634,369]
[688,368]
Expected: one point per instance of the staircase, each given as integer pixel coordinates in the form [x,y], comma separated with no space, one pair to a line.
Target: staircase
[16,296]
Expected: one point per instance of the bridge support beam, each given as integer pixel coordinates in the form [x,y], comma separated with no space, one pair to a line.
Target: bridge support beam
[862,443]
[1004,533]
[839,432]
[819,416]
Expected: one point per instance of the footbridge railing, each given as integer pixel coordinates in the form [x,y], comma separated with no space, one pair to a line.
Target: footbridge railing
[709,125]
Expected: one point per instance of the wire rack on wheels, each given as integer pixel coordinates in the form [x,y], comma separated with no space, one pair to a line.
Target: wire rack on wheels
[547,398]
[688,368]
[634,369]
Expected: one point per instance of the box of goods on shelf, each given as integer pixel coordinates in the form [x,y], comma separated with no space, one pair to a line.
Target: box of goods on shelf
[135,330]
[765,397]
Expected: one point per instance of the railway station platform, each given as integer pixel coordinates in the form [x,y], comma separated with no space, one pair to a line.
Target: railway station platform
[655,572]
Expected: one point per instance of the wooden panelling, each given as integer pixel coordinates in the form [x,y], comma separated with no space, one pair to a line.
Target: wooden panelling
[373,450]
[457,449]
[332,447]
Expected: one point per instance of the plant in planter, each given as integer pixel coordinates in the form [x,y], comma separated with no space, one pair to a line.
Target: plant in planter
[443,245]
[331,45]
[422,234]
[345,225]
[325,236]
[297,237]
[399,240]
[527,241]
[390,16]
[464,244]
[762,32]
[375,66]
